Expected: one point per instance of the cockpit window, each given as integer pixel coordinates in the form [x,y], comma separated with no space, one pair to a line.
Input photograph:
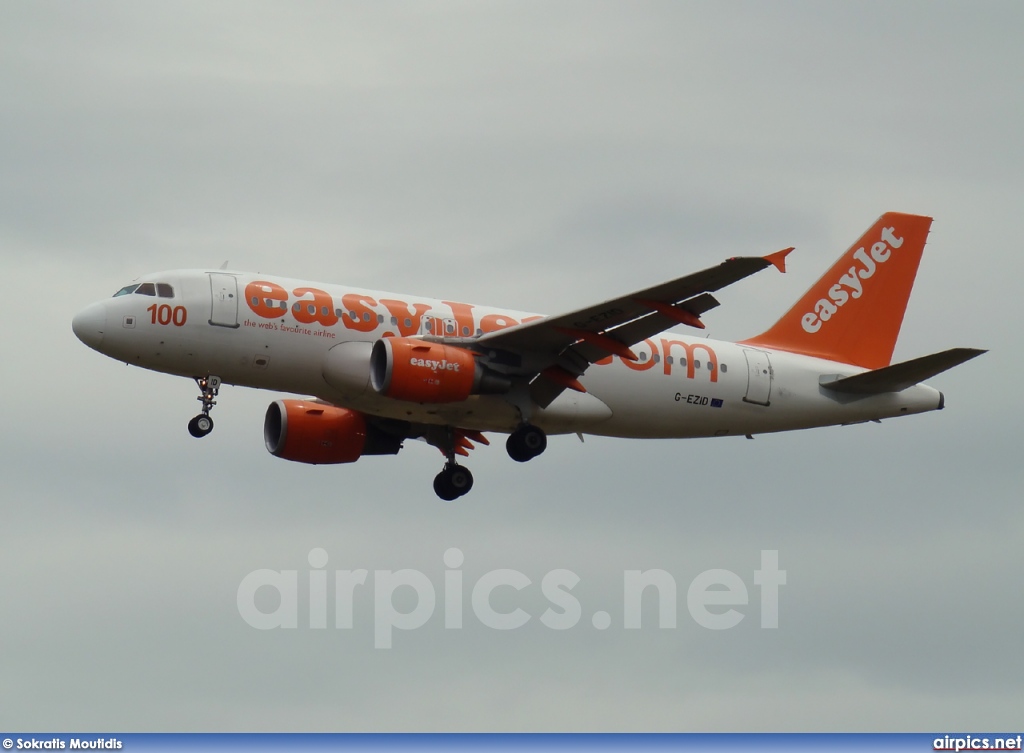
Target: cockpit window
[161,289]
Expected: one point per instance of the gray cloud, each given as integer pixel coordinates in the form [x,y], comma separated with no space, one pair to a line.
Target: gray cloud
[538,156]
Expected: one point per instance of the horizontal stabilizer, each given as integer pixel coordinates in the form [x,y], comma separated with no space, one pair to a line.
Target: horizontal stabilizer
[899,376]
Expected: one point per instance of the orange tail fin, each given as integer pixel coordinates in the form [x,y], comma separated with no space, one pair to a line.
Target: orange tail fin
[853,314]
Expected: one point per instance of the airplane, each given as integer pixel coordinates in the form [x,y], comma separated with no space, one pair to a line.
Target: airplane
[384,368]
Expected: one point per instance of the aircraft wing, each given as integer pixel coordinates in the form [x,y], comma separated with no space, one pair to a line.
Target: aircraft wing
[558,349]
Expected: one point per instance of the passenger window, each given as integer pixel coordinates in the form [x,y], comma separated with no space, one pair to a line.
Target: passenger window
[146,288]
[126,290]
[696,363]
[724,368]
[164,290]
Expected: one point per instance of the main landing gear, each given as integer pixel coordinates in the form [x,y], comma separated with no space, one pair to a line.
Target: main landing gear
[454,480]
[202,424]
[526,443]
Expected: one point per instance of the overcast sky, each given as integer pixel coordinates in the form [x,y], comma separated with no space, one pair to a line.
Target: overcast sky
[539,156]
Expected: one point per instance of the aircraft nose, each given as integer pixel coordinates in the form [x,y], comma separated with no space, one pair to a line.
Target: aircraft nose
[90,324]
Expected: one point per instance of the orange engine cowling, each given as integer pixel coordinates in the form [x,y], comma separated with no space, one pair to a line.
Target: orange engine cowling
[310,432]
[429,372]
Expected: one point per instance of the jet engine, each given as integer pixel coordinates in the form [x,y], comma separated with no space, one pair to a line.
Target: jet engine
[319,434]
[429,372]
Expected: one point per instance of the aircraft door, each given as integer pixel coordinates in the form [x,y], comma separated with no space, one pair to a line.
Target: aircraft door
[759,377]
[224,300]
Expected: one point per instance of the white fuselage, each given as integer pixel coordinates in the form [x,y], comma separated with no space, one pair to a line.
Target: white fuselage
[682,386]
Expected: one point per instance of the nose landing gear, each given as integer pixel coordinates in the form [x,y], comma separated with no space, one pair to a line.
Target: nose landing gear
[202,424]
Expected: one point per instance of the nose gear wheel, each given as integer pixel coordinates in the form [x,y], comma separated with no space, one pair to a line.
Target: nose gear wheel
[202,424]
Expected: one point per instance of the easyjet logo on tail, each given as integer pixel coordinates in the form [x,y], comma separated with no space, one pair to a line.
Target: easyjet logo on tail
[878,272]
[851,284]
